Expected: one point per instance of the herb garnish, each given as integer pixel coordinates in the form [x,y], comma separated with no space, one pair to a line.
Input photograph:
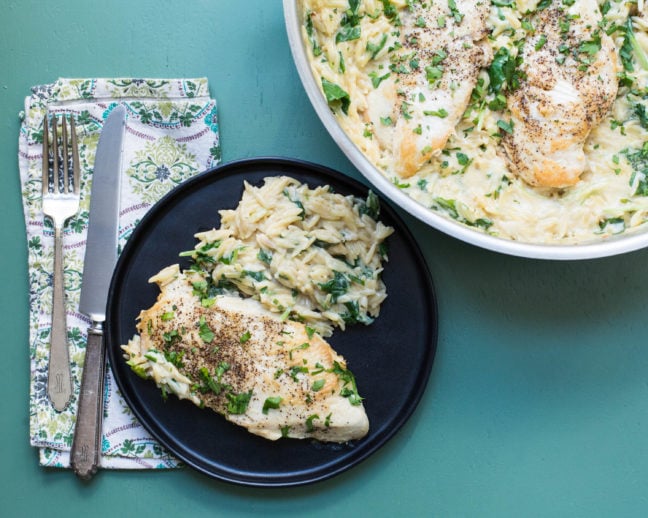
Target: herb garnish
[349,388]
[204,331]
[271,402]
[238,403]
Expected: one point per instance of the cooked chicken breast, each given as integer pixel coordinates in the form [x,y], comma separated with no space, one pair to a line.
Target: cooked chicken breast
[570,66]
[433,75]
[276,378]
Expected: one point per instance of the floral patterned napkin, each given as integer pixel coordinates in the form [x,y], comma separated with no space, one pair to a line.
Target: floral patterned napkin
[171,134]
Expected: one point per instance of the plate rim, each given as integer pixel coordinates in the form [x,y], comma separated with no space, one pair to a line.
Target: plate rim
[305,476]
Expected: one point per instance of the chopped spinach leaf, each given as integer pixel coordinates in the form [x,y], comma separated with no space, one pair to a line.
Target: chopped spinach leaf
[336,96]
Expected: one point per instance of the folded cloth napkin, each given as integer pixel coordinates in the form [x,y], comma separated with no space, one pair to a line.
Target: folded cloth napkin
[171,134]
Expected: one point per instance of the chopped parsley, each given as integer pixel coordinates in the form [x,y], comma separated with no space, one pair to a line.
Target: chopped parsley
[442,113]
[213,383]
[297,369]
[171,337]
[309,422]
[506,126]
[503,72]
[349,388]
[377,79]
[166,316]
[541,42]
[640,112]
[238,403]
[175,358]
[301,347]
[452,5]
[638,159]
[271,402]
[317,385]
[204,331]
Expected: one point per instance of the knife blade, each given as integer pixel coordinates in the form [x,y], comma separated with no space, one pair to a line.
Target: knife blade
[99,263]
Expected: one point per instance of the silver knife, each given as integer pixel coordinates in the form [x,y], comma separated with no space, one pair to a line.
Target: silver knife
[98,266]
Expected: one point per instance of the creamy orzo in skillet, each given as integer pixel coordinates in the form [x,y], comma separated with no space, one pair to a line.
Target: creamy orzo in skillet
[526,119]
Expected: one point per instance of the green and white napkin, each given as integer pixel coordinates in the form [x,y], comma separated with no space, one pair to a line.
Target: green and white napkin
[171,134]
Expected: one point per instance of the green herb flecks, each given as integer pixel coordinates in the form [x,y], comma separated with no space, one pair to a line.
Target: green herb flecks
[301,347]
[642,116]
[204,331]
[631,50]
[297,369]
[541,42]
[272,402]
[238,403]
[202,258]
[503,72]
[391,12]
[213,383]
[175,358]
[458,17]
[377,79]
[171,337]
[317,385]
[349,387]
[309,422]
[442,113]
[638,160]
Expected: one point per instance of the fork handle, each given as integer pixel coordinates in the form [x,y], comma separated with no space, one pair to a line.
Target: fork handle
[86,446]
[59,377]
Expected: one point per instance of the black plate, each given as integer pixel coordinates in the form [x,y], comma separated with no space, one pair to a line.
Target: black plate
[391,358]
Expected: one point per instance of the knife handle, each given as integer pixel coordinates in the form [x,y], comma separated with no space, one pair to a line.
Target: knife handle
[86,446]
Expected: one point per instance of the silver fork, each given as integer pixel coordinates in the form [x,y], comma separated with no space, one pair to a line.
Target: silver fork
[60,202]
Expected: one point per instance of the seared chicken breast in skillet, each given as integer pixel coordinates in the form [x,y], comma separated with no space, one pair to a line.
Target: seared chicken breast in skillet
[570,65]
[433,75]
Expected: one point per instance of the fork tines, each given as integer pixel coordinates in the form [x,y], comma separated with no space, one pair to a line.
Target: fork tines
[60,156]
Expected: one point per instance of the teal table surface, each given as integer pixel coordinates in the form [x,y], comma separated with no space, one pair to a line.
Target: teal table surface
[537,403]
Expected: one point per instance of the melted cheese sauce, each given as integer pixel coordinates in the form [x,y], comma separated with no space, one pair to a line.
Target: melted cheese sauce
[470,179]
